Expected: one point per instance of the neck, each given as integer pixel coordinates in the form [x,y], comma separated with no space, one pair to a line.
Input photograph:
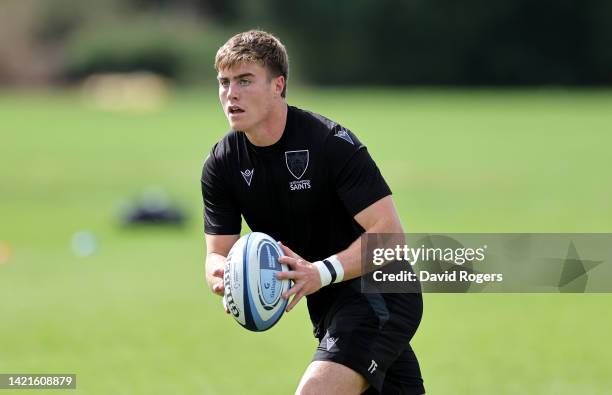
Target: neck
[270,130]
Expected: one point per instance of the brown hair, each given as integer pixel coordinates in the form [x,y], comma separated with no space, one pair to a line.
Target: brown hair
[255,46]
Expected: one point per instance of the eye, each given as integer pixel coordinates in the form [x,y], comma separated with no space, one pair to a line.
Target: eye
[224,83]
[244,82]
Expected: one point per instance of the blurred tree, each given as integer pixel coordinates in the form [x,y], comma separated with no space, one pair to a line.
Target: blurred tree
[210,9]
[472,42]
[447,42]
[23,61]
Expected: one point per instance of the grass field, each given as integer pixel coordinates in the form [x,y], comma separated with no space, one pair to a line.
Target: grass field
[137,318]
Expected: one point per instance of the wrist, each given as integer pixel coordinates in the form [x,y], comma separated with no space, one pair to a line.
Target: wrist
[330,270]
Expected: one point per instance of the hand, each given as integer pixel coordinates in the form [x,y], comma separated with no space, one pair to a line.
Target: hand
[218,288]
[306,278]
[217,285]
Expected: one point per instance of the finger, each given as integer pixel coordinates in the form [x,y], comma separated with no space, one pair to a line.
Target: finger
[292,291]
[218,273]
[294,301]
[288,251]
[225,305]
[293,275]
[291,262]
[219,288]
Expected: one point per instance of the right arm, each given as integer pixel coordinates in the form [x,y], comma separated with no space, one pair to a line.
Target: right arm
[217,248]
[221,220]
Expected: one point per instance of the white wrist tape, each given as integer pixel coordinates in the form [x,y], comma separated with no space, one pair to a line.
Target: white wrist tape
[330,270]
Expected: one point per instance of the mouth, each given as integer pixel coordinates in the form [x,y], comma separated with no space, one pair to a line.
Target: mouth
[234,110]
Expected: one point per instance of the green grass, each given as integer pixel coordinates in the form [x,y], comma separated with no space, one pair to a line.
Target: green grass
[137,318]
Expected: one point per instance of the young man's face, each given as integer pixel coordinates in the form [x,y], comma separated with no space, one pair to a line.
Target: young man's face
[247,94]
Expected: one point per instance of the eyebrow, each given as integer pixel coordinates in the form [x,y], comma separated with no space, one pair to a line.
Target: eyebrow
[238,76]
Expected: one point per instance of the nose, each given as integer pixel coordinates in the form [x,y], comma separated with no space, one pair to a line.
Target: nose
[232,91]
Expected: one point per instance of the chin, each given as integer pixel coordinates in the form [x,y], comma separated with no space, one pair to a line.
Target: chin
[239,126]
[234,125]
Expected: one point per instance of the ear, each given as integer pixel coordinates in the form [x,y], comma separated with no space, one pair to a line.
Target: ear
[279,84]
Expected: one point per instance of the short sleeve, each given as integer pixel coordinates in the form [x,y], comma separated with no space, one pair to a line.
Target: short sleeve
[221,213]
[355,176]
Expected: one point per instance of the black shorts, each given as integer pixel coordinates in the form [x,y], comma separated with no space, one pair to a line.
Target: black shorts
[370,334]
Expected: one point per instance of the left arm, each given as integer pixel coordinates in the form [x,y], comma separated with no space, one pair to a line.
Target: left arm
[379,217]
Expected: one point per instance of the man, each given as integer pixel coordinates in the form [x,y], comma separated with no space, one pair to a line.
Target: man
[309,183]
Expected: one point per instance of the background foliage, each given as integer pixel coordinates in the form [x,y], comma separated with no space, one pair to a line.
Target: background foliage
[390,42]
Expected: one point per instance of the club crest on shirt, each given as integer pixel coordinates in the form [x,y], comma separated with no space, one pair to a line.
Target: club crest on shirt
[297,164]
[343,134]
[247,175]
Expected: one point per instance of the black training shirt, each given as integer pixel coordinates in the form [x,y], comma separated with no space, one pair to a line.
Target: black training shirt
[304,190]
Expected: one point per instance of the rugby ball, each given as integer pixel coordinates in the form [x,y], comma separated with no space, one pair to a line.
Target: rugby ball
[252,291]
